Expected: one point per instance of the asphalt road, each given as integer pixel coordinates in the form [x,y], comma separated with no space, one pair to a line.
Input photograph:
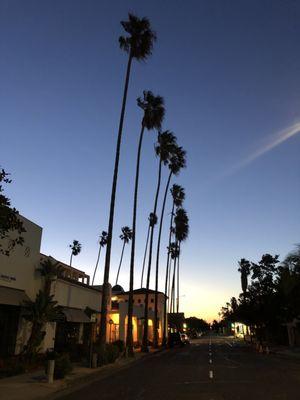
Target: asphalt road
[208,369]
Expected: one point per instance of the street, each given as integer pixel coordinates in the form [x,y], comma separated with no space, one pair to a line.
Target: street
[211,368]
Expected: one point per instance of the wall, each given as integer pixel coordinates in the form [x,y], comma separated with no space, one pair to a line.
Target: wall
[19,269]
[69,294]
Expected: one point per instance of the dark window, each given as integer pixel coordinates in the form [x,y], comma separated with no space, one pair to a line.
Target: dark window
[152,300]
[139,300]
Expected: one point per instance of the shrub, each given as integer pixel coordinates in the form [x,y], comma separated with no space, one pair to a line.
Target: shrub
[120,344]
[111,353]
[63,366]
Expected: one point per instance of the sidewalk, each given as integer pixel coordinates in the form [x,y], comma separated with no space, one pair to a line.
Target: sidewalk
[291,352]
[34,386]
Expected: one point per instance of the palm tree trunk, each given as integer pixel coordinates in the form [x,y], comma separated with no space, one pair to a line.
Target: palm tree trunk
[71,259]
[105,288]
[167,279]
[145,334]
[178,278]
[155,339]
[173,287]
[97,262]
[129,337]
[121,259]
[145,255]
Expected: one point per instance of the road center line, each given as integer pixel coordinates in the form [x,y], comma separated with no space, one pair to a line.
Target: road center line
[211,374]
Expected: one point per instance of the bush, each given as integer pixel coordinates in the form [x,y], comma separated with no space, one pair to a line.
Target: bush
[111,353]
[120,344]
[63,366]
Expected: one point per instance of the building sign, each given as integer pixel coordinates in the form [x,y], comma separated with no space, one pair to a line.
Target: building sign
[7,278]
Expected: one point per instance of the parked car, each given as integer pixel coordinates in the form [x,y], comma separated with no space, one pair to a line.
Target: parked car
[184,338]
[175,339]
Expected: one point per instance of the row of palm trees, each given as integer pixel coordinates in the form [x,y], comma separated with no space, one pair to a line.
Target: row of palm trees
[138,44]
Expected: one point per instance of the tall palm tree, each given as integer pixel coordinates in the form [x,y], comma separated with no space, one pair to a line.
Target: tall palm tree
[152,221]
[181,221]
[244,269]
[173,250]
[75,250]
[102,243]
[125,236]
[164,149]
[177,162]
[153,115]
[178,196]
[138,44]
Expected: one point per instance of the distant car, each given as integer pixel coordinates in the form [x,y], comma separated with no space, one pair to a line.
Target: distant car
[184,338]
[175,339]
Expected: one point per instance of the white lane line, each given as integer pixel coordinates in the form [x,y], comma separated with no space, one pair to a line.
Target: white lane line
[211,374]
[210,361]
[229,344]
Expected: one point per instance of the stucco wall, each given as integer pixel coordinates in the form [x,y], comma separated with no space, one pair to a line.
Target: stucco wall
[19,269]
[68,294]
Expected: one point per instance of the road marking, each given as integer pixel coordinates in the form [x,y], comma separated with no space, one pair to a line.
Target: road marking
[210,361]
[211,374]
[229,344]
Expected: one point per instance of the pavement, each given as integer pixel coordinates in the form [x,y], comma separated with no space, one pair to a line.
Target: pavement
[211,368]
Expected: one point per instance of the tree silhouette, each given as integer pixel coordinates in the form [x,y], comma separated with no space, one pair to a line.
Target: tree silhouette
[9,219]
[102,243]
[125,236]
[138,44]
[177,162]
[153,114]
[164,149]
[75,250]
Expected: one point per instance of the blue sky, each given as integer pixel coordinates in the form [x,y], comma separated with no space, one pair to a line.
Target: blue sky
[229,73]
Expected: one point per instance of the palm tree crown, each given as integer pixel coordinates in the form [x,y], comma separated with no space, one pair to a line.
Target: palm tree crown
[139,42]
[126,234]
[165,146]
[177,160]
[103,239]
[181,225]
[154,110]
[75,247]
[178,195]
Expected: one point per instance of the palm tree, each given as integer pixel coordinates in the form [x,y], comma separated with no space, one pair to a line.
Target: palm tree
[152,221]
[177,162]
[75,250]
[178,196]
[153,115]
[244,269]
[181,221]
[138,44]
[164,149]
[38,312]
[173,251]
[49,271]
[125,236]
[102,243]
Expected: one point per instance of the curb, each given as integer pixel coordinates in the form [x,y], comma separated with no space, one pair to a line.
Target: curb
[71,386]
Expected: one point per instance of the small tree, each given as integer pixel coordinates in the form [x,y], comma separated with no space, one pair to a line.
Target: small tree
[9,219]
[102,243]
[75,250]
[125,236]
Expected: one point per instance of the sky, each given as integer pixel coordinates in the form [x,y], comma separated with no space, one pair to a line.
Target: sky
[230,76]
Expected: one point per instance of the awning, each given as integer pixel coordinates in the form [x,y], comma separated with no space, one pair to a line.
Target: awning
[12,297]
[75,315]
